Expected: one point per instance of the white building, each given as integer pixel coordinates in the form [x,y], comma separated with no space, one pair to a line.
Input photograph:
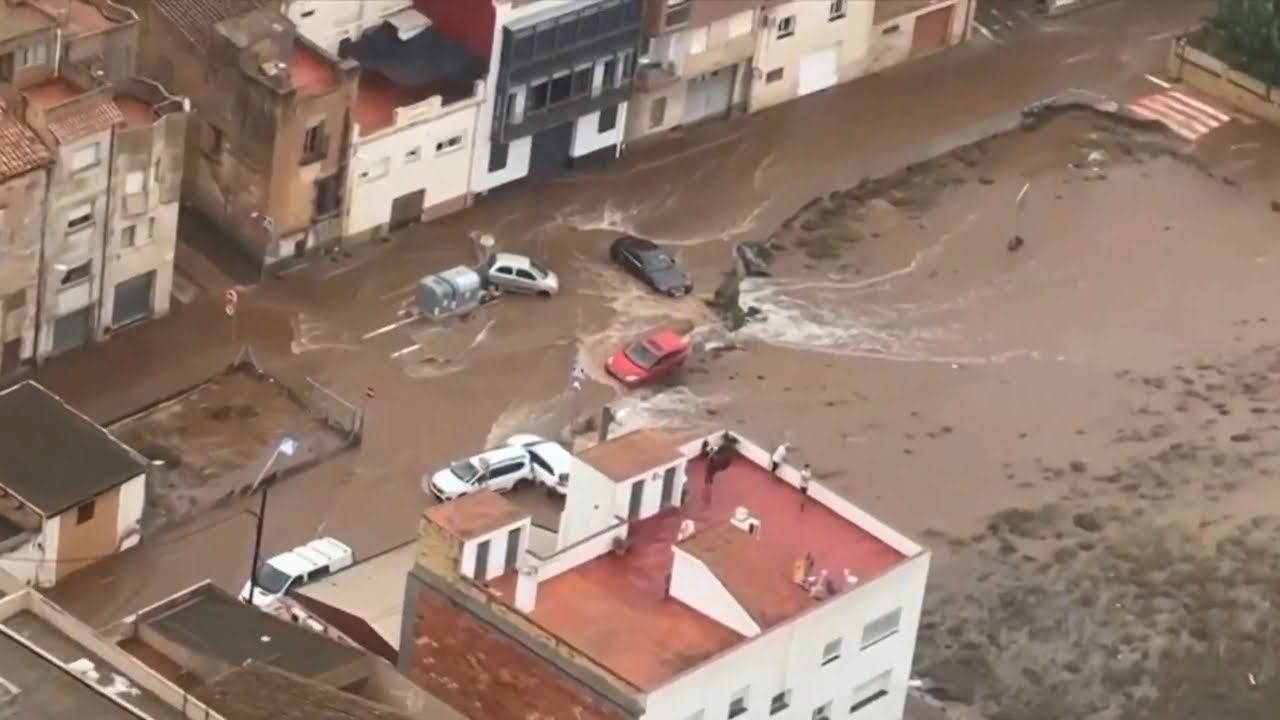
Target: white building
[666,597]
[70,493]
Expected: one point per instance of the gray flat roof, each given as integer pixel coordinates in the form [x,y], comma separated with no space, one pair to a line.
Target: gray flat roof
[54,458]
[64,649]
[215,624]
[47,692]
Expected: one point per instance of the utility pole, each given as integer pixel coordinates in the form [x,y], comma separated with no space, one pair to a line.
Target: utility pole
[288,446]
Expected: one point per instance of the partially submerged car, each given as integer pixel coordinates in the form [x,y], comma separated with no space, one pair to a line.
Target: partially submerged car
[654,266]
[650,358]
[511,272]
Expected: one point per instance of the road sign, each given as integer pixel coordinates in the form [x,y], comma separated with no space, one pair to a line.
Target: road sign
[231,296]
[230,309]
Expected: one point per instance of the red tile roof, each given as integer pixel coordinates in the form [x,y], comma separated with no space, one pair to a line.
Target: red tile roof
[21,151]
[475,515]
[97,118]
[626,456]
[616,609]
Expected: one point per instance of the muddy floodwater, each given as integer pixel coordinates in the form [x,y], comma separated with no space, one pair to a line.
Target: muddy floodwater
[1083,428]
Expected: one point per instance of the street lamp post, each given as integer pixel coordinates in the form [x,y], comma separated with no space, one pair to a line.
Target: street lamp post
[287,446]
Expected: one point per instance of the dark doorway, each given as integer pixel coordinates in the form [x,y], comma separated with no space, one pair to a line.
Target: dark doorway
[482,561]
[10,356]
[550,152]
[637,496]
[668,486]
[513,548]
[407,209]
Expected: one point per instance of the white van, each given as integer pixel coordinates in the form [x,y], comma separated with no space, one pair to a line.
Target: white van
[297,567]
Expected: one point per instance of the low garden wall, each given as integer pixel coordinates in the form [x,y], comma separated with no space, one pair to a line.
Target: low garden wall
[1205,73]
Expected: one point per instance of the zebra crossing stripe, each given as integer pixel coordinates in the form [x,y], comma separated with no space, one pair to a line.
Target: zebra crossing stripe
[1179,114]
[1143,112]
[1202,106]
[1190,111]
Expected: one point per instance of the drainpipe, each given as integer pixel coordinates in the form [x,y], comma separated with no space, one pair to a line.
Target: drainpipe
[57,51]
[107,227]
[475,135]
[37,336]
[968,19]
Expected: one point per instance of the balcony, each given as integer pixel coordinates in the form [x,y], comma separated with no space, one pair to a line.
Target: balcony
[656,76]
[730,52]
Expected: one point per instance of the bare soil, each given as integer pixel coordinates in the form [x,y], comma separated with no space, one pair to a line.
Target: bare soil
[210,444]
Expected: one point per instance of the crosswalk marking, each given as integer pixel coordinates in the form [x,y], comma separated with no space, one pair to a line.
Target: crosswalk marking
[1189,117]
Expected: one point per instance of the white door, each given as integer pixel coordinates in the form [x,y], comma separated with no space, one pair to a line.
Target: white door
[709,95]
[817,70]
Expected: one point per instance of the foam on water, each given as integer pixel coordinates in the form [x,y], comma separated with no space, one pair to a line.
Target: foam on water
[310,333]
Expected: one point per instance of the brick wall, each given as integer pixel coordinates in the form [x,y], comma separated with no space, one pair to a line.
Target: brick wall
[484,674]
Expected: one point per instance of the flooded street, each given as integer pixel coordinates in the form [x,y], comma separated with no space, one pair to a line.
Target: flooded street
[1082,427]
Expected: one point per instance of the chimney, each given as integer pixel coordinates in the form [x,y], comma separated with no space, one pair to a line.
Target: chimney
[743,521]
[526,588]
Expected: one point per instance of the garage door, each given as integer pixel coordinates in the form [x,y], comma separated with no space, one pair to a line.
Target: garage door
[818,70]
[407,209]
[72,330]
[551,149]
[709,95]
[133,299]
[931,31]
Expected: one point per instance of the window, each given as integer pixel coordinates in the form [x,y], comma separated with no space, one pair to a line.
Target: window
[870,691]
[628,66]
[6,67]
[837,10]
[498,156]
[536,100]
[582,80]
[882,627]
[86,157]
[133,182]
[786,26]
[610,76]
[29,56]
[376,170]
[79,217]
[608,119]
[155,172]
[831,651]
[610,18]
[698,41]
[773,75]
[566,32]
[741,24]
[561,87]
[314,144]
[780,702]
[678,12]
[891,29]
[307,13]
[77,274]
[413,155]
[589,23]
[823,711]
[151,229]
[738,703]
[449,144]
[128,236]
[522,45]
[84,513]
[515,107]
[545,40]
[657,111]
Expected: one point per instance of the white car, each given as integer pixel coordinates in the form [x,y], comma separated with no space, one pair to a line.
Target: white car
[498,469]
[551,462]
[518,273]
[295,568]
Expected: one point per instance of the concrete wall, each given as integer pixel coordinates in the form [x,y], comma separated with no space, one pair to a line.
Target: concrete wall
[328,22]
[497,551]
[651,497]
[1214,77]
[585,550]
[21,230]
[408,152]
[891,37]
[588,505]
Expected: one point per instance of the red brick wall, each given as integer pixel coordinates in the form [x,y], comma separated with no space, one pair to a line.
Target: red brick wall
[485,675]
[469,22]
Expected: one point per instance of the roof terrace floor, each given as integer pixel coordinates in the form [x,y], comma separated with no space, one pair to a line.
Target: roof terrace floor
[615,608]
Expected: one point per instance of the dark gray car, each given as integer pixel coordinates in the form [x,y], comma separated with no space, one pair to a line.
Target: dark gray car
[654,266]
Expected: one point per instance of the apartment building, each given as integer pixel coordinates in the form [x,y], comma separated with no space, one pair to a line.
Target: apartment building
[696,64]
[268,149]
[417,105]
[24,163]
[110,195]
[806,46]
[654,593]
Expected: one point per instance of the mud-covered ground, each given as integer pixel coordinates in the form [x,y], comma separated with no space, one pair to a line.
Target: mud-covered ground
[1088,419]
[211,443]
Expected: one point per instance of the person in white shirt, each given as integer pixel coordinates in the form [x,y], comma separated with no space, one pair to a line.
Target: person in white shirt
[779,455]
[806,473]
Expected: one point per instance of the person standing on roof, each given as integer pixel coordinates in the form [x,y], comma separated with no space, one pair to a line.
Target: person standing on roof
[806,474]
[779,455]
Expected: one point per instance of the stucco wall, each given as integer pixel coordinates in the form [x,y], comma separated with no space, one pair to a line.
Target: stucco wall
[82,544]
[495,564]
[814,30]
[22,228]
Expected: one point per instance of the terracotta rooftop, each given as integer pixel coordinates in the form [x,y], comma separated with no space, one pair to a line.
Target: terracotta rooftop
[136,112]
[51,92]
[626,456]
[96,118]
[21,151]
[471,516]
[311,72]
[616,609]
[196,19]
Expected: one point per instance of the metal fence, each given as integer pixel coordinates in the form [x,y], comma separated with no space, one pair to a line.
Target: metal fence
[334,411]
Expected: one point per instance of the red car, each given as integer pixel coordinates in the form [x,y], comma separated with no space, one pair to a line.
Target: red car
[649,359]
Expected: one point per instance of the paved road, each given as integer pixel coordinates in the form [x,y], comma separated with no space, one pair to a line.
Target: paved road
[446,391]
